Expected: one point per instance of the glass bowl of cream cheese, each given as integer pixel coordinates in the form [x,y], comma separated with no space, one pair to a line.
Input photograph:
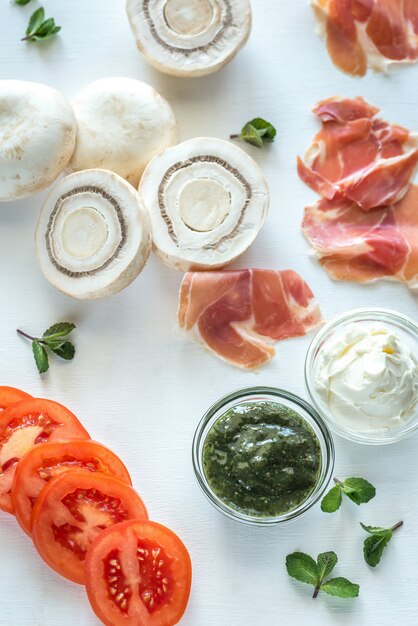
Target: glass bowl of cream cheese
[361,373]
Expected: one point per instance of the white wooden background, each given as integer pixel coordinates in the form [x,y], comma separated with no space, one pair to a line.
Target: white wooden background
[141,389]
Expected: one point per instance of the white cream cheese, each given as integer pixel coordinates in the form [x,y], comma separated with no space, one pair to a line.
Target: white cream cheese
[368,378]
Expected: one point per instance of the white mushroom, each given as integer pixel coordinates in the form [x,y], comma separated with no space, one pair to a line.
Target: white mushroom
[207,200]
[189,37]
[93,235]
[122,124]
[37,137]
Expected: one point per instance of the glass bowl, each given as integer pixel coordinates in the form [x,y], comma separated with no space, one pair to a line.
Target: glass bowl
[305,411]
[403,327]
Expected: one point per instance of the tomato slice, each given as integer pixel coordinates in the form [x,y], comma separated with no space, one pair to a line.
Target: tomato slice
[43,462]
[72,510]
[11,395]
[138,574]
[26,424]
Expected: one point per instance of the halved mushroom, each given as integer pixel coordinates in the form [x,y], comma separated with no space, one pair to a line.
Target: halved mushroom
[93,235]
[122,124]
[37,137]
[189,37]
[207,200]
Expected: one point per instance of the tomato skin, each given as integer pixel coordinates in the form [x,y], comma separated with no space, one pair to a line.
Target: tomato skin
[123,539]
[55,522]
[11,395]
[46,460]
[59,425]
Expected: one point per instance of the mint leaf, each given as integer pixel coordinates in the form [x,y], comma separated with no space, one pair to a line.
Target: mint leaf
[302,567]
[257,132]
[41,357]
[331,502]
[54,339]
[62,329]
[65,351]
[22,3]
[326,562]
[374,547]
[341,588]
[39,28]
[373,530]
[358,490]
[35,21]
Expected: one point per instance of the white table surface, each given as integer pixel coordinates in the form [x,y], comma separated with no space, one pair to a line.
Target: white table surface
[141,389]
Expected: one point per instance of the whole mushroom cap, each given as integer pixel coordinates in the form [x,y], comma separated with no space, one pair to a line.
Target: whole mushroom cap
[122,124]
[37,137]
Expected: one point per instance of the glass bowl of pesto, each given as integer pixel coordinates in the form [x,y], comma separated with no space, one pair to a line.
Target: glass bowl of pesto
[263,456]
[361,373]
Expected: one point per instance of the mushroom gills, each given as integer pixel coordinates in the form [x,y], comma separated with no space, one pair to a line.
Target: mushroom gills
[189,37]
[207,200]
[92,237]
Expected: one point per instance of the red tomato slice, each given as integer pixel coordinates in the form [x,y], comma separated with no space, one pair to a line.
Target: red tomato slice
[26,424]
[138,574]
[72,510]
[43,462]
[11,395]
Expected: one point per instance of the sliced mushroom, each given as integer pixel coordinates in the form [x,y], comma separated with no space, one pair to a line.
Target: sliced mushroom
[207,200]
[93,235]
[37,137]
[189,37]
[122,124]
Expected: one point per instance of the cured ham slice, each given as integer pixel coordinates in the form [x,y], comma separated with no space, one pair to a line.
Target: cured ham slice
[368,33]
[239,314]
[357,156]
[357,246]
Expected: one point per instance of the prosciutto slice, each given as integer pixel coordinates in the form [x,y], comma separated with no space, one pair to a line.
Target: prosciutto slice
[357,246]
[368,33]
[357,156]
[239,314]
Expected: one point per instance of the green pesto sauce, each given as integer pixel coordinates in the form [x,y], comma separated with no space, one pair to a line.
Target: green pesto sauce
[262,459]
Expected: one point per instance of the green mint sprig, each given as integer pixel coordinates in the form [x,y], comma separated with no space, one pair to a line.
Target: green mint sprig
[358,490]
[303,568]
[40,28]
[257,132]
[22,3]
[375,545]
[54,339]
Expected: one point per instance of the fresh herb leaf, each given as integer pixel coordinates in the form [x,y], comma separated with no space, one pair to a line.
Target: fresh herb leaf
[341,588]
[55,338]
[331,502]
[41,357]
[358,490]
[326,562]
[39,28]
[257,132]
[303,568]
[64,351]
[373,530]
[375,545]
[35,21]
[62,329]
[22,3]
